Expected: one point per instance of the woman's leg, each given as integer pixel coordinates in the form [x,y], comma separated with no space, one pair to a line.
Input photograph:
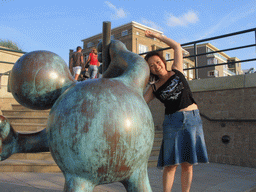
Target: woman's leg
[94,72]
[186,176]
[76,71]
[168,177]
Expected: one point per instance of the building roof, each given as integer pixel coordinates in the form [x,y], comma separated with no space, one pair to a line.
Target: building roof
[234,58]
[132,23]
[207,45]
[7,50]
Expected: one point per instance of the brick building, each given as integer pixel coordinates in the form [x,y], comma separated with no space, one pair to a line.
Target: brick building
[214,58]
[133,36]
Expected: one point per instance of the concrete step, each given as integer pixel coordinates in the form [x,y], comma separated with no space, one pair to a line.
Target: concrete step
[24,119]
[32,156]
[19,107]
[157,142]
[28,127]
[39,166]
[48,156]
[158,134]
[152,161]
[25,113]
[155,151]
[43,166]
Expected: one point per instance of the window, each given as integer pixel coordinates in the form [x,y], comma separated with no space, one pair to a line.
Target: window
[211,73]
[191,73]
[124,33]
[112,37]
[216,54]
[185,71]
[143,48]
[208,50]
[90,44]
[212,61]
[167,56]
[214,73]
[137,33]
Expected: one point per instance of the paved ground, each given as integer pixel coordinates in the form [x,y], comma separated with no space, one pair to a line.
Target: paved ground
[207,178]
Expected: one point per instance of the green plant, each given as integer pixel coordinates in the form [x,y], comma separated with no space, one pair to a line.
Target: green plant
[9,44]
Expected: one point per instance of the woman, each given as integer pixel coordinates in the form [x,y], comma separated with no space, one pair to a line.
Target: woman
[94,63]
[183,140]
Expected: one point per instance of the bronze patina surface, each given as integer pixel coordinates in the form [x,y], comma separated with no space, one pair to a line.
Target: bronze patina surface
[99,131]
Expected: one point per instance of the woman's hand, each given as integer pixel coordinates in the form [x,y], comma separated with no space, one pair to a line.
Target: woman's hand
[178,57]
[152,34]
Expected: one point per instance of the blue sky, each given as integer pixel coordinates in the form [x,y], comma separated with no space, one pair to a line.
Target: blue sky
[58,26]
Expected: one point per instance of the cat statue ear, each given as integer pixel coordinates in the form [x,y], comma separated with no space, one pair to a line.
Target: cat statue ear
[38,78]
[125,65]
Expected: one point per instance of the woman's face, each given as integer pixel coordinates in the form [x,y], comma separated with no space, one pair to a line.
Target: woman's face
[156,65]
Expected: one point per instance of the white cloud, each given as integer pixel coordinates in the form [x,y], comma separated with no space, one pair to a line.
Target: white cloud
[119,12]
[241,12]
[152,24]
[184,20]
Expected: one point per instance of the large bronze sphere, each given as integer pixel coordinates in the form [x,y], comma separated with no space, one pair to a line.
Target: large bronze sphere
[38,78]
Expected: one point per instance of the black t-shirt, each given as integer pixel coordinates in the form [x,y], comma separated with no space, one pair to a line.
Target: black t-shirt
[77,59]
[175,93]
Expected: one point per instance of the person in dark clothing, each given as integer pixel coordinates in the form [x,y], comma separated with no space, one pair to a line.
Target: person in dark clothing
[77,62]
[183,139]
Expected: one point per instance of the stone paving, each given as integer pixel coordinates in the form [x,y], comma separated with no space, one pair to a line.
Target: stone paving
[210,177]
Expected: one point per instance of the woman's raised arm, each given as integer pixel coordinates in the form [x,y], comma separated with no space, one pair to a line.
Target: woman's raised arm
[178,56]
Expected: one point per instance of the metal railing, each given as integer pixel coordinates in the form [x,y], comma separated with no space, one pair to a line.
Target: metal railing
[195,55]
[226,120]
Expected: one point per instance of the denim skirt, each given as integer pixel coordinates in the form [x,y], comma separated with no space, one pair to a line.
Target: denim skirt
[183,139]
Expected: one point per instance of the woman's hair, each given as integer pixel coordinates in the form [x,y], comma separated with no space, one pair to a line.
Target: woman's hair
[154,78]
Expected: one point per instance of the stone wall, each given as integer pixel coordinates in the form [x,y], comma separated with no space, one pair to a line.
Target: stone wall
[6,97]
[228,108]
